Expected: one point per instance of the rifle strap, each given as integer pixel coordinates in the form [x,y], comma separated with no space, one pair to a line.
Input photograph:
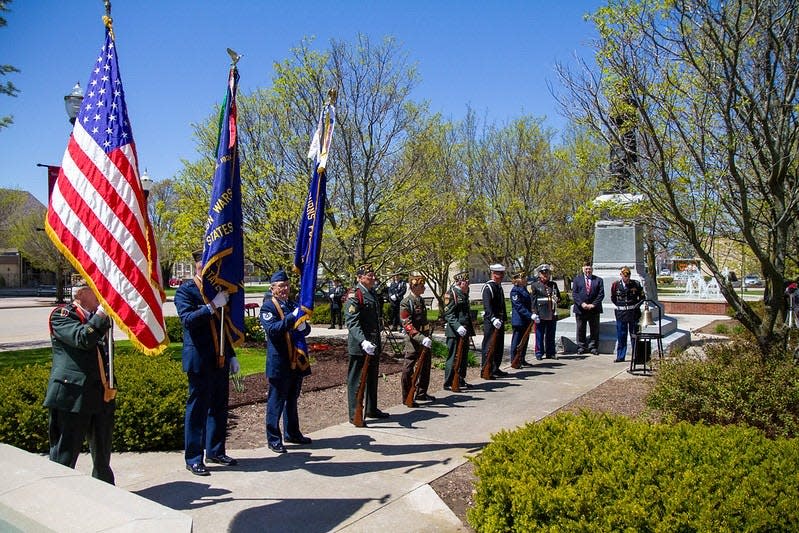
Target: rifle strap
[289,344]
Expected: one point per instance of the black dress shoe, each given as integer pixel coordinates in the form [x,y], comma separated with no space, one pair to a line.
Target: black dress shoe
[595,352]
[278,448]
[447,387]
[500,373]
[526,364]
[302,439]
[222,460]
[378,414]
[198,469]
[580,351]
[425,398]
[618,360]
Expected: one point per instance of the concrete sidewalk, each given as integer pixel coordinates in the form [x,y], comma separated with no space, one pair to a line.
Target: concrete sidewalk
[366,479]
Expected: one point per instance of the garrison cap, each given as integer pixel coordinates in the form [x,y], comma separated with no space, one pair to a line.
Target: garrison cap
[416,280]
[364,269]
[521,274]
[280,275]
[461,276]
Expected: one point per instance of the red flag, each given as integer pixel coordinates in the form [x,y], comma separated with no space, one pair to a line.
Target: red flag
[97,216]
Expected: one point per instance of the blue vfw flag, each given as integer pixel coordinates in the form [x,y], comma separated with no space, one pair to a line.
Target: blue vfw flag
[309,235]
[223,248]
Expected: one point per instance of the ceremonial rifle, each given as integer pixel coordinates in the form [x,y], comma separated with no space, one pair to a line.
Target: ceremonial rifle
[485,373]
[518,356]
[419,363]
[357,419]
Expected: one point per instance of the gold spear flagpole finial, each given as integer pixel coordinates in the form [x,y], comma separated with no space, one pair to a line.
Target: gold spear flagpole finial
[107,20]
[332,95]
[234,56]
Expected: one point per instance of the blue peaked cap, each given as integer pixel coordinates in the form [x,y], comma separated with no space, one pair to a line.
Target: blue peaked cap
[280,275]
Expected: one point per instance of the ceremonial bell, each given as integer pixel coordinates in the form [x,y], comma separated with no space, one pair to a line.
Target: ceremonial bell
[646,317]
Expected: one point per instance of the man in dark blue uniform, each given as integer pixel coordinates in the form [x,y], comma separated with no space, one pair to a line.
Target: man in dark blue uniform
[545,295]
[206,405]
[335,294]
[396,292]
[494,318]
[79,398]
[520,318]
[283,369]
[626,294]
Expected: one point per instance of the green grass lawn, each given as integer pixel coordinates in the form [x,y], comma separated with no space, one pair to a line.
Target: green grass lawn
[252,360]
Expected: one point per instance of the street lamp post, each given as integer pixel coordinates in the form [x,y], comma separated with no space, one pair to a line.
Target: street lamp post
[72,103]
[146,184]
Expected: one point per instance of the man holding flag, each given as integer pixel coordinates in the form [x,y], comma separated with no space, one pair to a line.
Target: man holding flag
[211,306]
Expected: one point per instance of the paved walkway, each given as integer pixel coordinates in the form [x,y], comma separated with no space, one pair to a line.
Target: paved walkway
[358,479]
[366,479]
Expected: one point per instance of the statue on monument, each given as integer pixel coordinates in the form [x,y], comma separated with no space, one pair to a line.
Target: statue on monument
[623,155]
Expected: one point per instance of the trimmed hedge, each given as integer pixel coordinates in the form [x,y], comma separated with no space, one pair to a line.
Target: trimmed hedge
[591,472]
[151,400]
[732,385]
[253,332]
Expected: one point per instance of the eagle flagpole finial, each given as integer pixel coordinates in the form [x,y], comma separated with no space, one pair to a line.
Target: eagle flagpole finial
[234,56]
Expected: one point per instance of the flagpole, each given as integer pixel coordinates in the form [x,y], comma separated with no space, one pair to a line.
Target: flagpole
[111,356]
[222,339]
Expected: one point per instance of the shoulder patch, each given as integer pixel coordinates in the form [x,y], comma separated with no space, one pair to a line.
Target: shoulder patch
[267,316]
[351,309]
[63,312]
[514,296]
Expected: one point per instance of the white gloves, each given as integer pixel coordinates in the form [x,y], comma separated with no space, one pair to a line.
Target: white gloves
[100,312]
[220,299]
[303,326]
[426,342]
[393,297]
[461,331]
[497,322]
[535,318]
[368,347]
[234,365]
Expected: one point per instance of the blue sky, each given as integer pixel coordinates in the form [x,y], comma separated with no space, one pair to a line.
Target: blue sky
[496,56]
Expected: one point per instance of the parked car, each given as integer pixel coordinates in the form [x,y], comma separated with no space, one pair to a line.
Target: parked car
[665,272]
[46,290]
[753,280]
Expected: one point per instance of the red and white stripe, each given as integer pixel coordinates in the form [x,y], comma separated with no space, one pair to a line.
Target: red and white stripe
[97,218]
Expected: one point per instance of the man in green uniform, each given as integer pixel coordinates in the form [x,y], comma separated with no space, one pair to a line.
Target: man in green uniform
[458,326]
[362,316]
[413,314]
[80,401]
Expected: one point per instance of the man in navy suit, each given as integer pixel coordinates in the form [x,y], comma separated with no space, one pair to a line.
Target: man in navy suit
[206,405]
[284,374]
[588,293]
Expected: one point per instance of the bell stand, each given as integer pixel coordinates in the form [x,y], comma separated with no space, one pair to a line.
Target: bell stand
[642,339]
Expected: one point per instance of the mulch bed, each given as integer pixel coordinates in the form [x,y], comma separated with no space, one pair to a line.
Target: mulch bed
[329,361]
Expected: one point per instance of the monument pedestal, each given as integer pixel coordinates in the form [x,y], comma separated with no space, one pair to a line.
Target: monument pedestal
[618,244]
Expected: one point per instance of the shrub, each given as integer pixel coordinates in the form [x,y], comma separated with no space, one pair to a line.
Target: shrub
[23,419]
[732,385]
[174,328]
[150,404]
[253,331]
[321,314]
[592,472]
[721,329]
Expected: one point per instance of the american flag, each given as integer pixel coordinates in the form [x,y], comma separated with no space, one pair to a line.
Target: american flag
[97,216]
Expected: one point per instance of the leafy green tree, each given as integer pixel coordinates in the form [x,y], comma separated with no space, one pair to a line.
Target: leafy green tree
[712,89]
[8,87]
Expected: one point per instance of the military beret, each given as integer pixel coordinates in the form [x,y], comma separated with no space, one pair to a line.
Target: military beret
[280,275]
[520,275]
[364,269]
[497,267]
[197,255]
[462,276]
[416,280]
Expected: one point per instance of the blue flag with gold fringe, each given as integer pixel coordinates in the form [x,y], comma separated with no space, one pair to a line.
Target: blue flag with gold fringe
[223,247]
[309,235]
